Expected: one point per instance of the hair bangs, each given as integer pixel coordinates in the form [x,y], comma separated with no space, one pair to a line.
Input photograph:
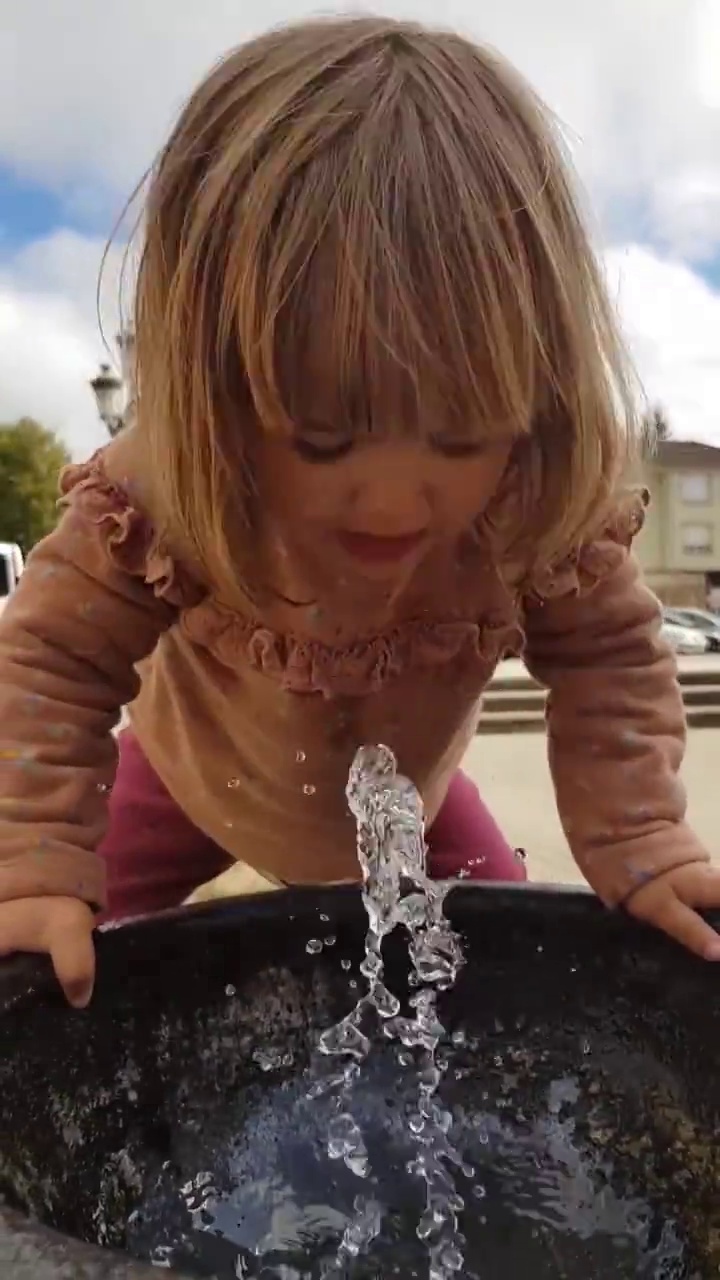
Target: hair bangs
[379,302]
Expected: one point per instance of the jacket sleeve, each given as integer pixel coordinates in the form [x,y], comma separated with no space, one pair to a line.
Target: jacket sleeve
[615,718]
[93,600]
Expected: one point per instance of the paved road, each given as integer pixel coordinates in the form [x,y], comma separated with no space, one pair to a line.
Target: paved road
[526,811]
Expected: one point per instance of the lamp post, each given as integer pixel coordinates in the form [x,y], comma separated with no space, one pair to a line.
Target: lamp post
[114,393]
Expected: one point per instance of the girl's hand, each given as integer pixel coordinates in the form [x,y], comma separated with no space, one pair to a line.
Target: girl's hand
[672,901]
[59,927]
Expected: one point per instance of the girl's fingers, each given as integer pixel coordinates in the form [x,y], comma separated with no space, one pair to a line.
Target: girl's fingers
[686,927]
[702,890]
[73,957]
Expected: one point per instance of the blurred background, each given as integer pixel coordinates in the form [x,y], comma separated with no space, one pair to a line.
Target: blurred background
[88,90]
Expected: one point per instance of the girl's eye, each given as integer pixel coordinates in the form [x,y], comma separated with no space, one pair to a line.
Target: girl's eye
[458,448]
[322,451]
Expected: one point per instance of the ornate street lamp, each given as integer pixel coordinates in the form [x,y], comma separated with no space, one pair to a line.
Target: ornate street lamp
[114,393]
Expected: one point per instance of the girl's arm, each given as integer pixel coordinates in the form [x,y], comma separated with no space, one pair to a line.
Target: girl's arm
[93,601]
[616,723]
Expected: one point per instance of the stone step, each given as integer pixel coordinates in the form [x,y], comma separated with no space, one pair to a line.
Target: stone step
[532,699]
[698,717]
[502,683]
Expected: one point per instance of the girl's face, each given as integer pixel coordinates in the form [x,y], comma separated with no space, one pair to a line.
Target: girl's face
[375,509]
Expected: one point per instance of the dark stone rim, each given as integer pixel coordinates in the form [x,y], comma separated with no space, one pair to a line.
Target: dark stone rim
[31,1251]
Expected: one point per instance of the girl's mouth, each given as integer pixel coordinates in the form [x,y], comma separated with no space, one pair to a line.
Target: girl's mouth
[373,549]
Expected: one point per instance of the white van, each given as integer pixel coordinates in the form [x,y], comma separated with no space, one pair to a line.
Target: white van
[11,567]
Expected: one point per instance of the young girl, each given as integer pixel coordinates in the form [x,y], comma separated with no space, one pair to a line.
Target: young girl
[383,420]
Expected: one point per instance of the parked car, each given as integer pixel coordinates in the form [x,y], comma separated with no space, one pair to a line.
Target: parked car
[701,620]
[11,567]
[683,638]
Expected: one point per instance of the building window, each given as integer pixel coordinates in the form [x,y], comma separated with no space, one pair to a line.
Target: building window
[697,539]
[695,487]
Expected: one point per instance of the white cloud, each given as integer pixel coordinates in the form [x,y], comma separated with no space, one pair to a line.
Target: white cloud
[635,81]
[671,318]
[688,212]
[50,341]
[708,51]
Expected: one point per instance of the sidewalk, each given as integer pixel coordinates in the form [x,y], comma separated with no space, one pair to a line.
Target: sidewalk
[512,774]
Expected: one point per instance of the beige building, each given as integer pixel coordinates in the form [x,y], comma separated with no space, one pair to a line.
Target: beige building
[680,544]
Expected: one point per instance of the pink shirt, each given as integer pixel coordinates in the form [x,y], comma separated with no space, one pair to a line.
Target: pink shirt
[252,727]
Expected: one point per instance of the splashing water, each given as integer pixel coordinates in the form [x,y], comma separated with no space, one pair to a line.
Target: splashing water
[397,891]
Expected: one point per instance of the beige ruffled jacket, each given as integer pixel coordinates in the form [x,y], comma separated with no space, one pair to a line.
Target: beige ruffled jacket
[252,728]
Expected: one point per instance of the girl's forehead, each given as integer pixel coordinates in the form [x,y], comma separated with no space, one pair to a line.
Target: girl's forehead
[328,385]
[372,334]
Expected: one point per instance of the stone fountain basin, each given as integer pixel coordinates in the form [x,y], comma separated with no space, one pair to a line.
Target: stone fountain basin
[582,1076]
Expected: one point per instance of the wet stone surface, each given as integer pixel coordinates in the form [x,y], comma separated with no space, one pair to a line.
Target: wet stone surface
[172,1121]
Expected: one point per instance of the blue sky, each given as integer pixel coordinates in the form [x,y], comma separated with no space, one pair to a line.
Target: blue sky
[636,84]
[711,271]
[27,211]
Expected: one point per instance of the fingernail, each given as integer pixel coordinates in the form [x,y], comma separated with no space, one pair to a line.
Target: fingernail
[80,999]
[712,950]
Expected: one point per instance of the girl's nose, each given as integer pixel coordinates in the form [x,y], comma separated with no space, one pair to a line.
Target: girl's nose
[394,496]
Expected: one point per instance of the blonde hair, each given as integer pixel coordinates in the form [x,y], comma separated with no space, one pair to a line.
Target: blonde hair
[406,190]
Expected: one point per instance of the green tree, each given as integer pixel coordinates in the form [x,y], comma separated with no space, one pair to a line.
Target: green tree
[31,458]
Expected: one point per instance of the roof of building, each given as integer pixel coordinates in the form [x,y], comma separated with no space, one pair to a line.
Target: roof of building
[688,454]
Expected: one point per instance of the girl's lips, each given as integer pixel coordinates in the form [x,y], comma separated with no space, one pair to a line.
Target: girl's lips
[378,550]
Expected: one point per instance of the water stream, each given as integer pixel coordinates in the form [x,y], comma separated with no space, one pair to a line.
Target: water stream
[398,893]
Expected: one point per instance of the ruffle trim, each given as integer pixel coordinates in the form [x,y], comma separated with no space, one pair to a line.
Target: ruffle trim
[303,665]
[130,540]
[595,561]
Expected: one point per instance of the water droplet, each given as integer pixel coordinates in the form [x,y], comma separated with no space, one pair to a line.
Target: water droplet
[300,757]
[314,946]
[309,789]
[234,783]
[325,919]
[451,1259]
[103,788]
[162,1256]
[357,1164]
[268,1059]
[230,990]
[346,964]
[330,942]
